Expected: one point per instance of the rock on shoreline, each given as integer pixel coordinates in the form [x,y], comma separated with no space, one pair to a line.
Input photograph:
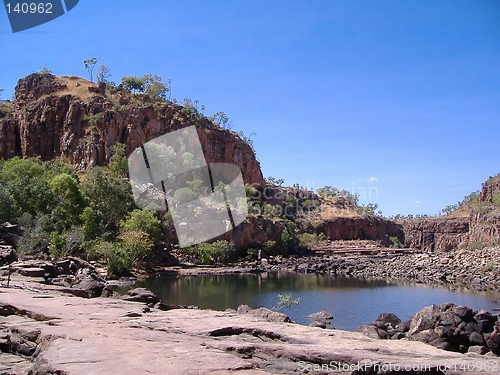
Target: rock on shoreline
[446,326]
[55,333]
[474,269]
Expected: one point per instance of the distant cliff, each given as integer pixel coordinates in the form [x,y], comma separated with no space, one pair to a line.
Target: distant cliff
[476,224]
[79,122]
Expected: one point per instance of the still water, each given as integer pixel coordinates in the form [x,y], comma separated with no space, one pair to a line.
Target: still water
[351,301]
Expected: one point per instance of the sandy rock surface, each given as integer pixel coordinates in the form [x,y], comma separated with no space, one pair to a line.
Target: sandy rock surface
[72,335]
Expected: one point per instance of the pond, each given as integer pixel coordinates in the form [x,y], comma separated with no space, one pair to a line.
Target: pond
[351,301]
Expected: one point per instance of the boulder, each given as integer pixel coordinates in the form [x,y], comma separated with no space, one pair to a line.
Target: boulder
[372,331]
[7,255]
[142,295]
[262,312]
[476,339]
[321,316]
[485,321]
[10,234]
[92,287]
[477,350]
[391,318]
[318,324]
[32,271]
[425,319]
[463,312]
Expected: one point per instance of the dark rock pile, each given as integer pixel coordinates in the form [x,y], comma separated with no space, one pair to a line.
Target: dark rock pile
[447,326]
[474,269]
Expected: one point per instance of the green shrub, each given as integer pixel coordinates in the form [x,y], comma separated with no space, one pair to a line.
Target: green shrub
[476,246]
[271,212]
[252,253]
[286,300]
[137,245]
[269,245]
[58,248]
[496,199]
[143,221]
[218,252]
[109,195]
[395,242]
[119,161]
[36,237]
[310,240]
[9,210]
[289,239]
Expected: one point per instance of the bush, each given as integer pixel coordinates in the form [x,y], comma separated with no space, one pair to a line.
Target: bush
[476,246]
[286,300]
[269,245]
[310,240]
[118,262]
[110,196]
[9,210]
[136,244]
[119,161]
[121,256]
[36,236]
[58,248]
[289,237]
[395,242]
[496,199]
[143,221]
[271,212]
[252,253]
[214,253]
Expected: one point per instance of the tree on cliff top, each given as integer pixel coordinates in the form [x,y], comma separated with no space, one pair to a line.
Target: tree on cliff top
[134,84]
[149,84]
[89,64]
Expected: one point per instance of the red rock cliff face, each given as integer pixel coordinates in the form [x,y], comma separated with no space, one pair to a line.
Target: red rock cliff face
[46,122]
[437,234]
[481,226]
[361,228]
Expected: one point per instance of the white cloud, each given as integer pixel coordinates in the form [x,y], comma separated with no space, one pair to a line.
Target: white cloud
[373,179]
[416,201]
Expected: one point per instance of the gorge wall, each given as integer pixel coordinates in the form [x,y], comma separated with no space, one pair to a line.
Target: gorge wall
[361,228]
[50,119]
[477,226]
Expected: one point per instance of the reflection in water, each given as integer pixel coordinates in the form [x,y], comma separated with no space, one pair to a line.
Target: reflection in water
[351,301]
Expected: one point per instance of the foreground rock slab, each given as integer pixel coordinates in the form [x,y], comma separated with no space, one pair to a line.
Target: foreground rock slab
[65,334]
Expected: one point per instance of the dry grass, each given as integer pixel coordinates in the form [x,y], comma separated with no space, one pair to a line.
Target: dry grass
[78,87]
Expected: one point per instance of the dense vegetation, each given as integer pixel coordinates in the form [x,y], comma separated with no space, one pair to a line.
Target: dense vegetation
[92,215]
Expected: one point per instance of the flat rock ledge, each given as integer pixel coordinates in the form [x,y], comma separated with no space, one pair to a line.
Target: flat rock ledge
[46,331]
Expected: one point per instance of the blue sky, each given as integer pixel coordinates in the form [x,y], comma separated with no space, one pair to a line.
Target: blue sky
[400,99]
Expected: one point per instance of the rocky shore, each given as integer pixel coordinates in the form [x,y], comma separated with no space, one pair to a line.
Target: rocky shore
[46,330]
[472,269]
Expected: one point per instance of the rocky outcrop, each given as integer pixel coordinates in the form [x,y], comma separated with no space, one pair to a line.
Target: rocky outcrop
[67,335]
[361,228]
[490,190]
[447,326]
[475,224]
[457,328]
[51,119]
[437,234]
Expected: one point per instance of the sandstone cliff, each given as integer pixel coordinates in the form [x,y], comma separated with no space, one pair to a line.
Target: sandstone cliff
[475,224]
[361,227]
[72,119]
